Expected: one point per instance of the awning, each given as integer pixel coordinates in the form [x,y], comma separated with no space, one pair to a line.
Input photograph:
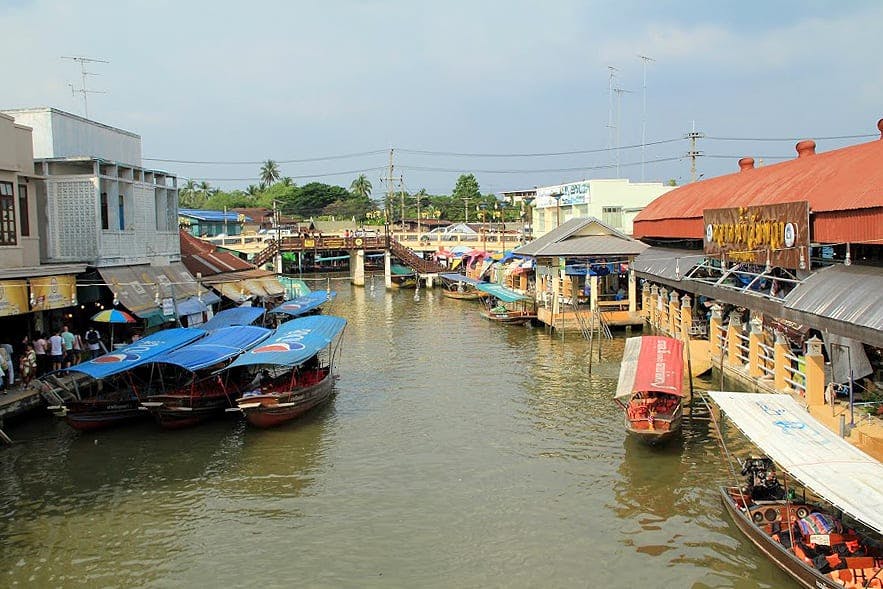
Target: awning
[234,316]
[191,306]
[272,286]
[667,263]
[455,277]
[218,346]
[137,287]
[13,297]
[53,292]
[235,291]
[138,353]
[294,342]
[651,363]
[821,460]
[305,304]
[507,295]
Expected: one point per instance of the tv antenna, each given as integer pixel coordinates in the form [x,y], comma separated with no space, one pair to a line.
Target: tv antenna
[645,59]
[610,125]
[619,92]
[83,90]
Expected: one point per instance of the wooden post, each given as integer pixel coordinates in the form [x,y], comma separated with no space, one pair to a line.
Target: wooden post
[815,373]
[662,305]
[754,337]
[780,351]
[654,305]
[733,340]
[674,314]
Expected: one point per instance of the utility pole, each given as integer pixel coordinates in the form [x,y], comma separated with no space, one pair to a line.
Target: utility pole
[466,200]
[83,61]
[619,92]
[644,59]
[389,189]
[611,79]
[693,153]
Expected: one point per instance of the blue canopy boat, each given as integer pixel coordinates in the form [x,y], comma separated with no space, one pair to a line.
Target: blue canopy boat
[304,305]
[196,385]
[504,305]
[109,393]
[234,316]
[294,370]
[460,286]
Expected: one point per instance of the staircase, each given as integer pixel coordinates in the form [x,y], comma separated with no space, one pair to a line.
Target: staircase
[266,254]
[590,323]
[412,260]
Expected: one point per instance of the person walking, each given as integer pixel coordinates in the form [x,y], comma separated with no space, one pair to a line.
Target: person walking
[93,341]
[78,349]
[28,365]
[68,338]
[40,346]
[56,350]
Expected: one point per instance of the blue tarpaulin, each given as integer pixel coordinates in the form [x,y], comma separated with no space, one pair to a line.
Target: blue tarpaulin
[305,304]
[454,277]
[218,346]
[507,295]
[294,342]
[141,352]
[234,316]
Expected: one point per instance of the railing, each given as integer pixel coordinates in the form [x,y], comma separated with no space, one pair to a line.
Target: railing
[412,260]
[797,378]
[767,360]
[742,347]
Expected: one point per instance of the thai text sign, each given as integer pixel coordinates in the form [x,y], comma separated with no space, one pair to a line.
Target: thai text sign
[13,297]
[574,193]
[778,234]
[53,292]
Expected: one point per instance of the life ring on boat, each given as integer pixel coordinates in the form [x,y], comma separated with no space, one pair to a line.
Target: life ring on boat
[359,241]
[802,512]
[757,516]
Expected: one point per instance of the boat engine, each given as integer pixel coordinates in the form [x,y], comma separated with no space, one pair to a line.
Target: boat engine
[760,479]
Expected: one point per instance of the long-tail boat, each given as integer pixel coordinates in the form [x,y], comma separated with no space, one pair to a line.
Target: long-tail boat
[107,390]
[504,305]
[194,383]
[832,538]
[460,286]
[650,387]
[296,369]
[305,305]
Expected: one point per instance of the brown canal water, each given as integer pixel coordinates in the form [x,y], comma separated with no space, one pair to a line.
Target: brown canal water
[457,453]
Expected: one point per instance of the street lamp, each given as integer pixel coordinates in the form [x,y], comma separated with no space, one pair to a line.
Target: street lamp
[557,196]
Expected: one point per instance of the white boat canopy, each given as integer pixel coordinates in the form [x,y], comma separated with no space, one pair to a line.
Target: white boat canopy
[834,469]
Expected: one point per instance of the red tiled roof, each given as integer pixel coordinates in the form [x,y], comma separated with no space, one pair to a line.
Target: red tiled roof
[201,256]
[843,187]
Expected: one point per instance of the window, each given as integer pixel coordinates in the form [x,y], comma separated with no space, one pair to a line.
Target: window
[23,210]
[612,217]
[7,214]
[105,223]
[122,216]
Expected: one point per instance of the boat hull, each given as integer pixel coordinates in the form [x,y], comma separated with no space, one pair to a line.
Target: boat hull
[462,296]
[508,318]
[178,413]
[274,409]
[801,572]
[91,415]
[654,437]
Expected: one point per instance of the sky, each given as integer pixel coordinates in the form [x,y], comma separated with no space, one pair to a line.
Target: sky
[341,82]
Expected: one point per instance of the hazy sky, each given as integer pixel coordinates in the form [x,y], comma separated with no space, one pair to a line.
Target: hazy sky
[246,81]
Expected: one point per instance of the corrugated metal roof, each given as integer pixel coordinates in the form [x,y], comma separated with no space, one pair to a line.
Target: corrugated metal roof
[210,215]
[669,263]
[203,257]
[843,179]
[851,294]
[582,237]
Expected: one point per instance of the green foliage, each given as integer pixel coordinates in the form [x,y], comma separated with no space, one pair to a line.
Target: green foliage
[361,186]
[269,173]
[230,200]
[311,199]
[466,187]
[672,182]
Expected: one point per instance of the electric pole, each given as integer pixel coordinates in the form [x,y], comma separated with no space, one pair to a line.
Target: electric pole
[644,59]
[693,153]
[619,92]
[390,194]
[83,90]
[402,189]
[611,79]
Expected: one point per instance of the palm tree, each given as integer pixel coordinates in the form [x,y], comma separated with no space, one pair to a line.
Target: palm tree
[269,172]
[187,194]
[361,186]
[287,181]
[252,190]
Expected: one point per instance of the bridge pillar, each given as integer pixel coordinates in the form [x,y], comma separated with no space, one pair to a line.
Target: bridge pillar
[429,280]
[387,269]
[357,267]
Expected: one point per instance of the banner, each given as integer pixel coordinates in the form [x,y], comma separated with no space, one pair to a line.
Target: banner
[13,297]
[53,292]
[778,234]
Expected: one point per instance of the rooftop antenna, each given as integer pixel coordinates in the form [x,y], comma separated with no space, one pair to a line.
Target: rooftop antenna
[610,126]
[645,59]
[619,92]
[83,90]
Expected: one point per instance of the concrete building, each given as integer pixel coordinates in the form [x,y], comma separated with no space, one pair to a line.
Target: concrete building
[614,202]
[102,207]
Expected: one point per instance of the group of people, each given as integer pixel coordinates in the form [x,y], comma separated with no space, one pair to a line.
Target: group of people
[55,350]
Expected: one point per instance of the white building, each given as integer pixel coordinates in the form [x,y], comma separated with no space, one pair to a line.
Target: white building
[614,202]
[102,207]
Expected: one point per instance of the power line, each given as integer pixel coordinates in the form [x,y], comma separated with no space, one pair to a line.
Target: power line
[541,154]
[832,137]
[533,171]
[301,177]
[253,163]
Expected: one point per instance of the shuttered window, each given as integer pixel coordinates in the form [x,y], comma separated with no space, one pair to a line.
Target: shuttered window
[7,215]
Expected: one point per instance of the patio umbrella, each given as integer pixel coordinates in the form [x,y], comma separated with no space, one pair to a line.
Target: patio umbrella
[112,316]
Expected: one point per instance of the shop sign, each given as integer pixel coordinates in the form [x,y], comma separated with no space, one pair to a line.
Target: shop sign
[13,297]
[168,307]
[775,234]
[573,193]
[53,292]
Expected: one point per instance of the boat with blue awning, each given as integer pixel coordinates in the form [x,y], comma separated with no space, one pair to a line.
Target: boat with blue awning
[107,390]
[234,316]
[504,305]
[462,287]
[293,369]
[192,383]
[304,305]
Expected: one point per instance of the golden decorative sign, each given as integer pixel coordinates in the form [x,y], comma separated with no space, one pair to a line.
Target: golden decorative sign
[53,292]
[13,297]
[775,234]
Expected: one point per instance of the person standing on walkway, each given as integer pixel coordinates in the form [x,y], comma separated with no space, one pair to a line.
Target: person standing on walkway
[28,365]
[93,341]
[40,346]
[78,349]
[68,338]
[56,350]
[10,360]
[5,363]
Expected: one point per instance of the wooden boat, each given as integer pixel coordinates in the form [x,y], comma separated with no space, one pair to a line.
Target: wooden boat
[507,306]
[111,391]
[461,287]
[402,277]
[309,304]
[834,539]
[297,365]
[650,388]
[195,383]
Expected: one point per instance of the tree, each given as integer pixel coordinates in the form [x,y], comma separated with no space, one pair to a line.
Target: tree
[466,188]
[187,196]
[287,181]
[252,190]
[361,186]
[269,173]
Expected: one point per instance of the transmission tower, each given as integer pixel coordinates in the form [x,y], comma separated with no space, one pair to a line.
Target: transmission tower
[83,90]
